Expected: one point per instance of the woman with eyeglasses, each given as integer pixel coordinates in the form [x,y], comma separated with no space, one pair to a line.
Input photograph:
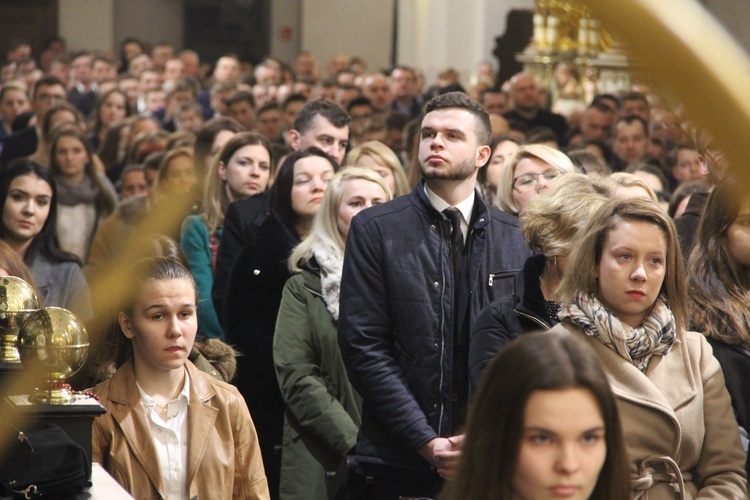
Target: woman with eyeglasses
[527,173]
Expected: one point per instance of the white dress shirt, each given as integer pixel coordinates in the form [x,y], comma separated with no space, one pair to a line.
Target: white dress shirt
[465,207]
[171,439]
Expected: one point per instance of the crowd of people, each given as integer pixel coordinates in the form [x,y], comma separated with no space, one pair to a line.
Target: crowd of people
[342,265]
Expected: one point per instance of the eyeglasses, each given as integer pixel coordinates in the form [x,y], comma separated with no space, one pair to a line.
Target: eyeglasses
[529,181]
[50,98]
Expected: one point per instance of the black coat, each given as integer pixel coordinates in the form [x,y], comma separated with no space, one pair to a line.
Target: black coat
[241,225]
[508,318]
[397,320]
[19,145]
[735,363]
[543,118]
[250,309]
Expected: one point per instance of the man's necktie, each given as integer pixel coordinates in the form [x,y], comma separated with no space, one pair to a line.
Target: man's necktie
[457,239]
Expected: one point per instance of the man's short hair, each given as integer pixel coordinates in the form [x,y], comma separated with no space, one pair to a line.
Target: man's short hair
[241,96]
[191,106]
[328,110]
[292,98]
[632,95]
[267,107]
[183,85]
[408,69]
[104,59]
[629,119]
[358,101]
[602,99]
[133,167]
[462,101]
[82,53]
[46,81]
[492,90]
[599,105]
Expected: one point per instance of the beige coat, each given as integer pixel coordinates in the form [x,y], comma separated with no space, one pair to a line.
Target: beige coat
[224,459]
[678,422]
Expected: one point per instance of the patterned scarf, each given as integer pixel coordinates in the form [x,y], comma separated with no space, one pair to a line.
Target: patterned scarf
[637,345]
[330,262]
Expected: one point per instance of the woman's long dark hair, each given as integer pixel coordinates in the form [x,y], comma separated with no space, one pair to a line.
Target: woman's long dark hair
[280,201]
[45,242]
[719,285]
[533,362]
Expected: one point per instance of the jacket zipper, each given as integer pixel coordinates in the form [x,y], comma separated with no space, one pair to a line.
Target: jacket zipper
[503,275]
[442,330]
[532,318]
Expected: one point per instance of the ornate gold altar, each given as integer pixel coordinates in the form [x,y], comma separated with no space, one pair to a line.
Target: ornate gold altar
[572,55]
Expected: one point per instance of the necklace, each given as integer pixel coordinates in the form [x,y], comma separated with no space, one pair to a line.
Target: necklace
[165,406]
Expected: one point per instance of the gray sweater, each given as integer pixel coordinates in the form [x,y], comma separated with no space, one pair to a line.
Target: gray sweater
[62,284]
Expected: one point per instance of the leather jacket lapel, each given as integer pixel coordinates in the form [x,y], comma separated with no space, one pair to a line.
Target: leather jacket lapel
[130,415]
[201,420]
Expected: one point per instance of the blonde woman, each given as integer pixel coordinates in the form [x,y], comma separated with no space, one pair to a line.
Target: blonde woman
[549,224]
[322,410]
[632,186]
[243,168]
[378,157]
[527,173]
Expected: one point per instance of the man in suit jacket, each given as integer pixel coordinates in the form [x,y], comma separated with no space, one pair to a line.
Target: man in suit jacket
[82,94]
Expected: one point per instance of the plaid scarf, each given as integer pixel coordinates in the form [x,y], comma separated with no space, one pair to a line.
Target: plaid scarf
[637,345]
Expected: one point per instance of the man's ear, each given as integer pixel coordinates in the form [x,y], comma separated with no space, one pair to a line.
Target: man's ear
[126,325]
[294,137]
[483,154]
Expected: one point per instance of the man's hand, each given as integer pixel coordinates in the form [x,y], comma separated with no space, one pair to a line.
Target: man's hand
[444,454]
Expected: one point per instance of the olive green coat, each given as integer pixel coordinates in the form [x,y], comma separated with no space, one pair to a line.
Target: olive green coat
[323,412]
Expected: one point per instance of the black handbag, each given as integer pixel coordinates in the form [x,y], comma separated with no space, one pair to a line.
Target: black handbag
[44,463]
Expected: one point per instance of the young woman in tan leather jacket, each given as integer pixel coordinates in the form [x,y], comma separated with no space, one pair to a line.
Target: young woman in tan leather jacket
[171,430]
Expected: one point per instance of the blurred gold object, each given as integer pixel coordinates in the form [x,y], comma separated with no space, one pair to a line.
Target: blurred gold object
[17,301]
[53,343]
[564,26]
[695,59]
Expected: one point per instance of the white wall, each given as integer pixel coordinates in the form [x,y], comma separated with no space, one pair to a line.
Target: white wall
[352,27]
[286,15]
[152,21]
[101,24]
[87,24]
[436,34]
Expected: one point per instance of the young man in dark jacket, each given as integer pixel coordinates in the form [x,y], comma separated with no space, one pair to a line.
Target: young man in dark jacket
[413,280]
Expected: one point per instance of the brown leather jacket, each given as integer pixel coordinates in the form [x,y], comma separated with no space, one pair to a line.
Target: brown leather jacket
[224,460]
